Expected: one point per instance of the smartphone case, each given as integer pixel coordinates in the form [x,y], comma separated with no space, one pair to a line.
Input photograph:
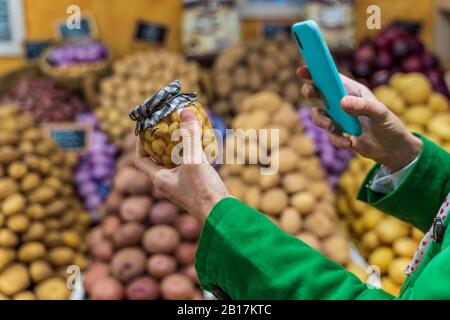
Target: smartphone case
[326,78]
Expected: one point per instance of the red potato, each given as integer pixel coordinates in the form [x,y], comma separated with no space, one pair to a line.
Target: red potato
[95,236]
[143,288]
[103,251]
[177,287]
[129,234]
[188,227]
[113,202]
[163,212]
[131,181]
[185,253]
[96,271]
[158,195]
[135,208]
[160,239]
[110,225]
[107,288]
[128,263]
[190,272]
[161,265]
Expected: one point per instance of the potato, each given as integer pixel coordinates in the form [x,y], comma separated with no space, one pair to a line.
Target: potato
[405,247]
[161,265]
[13,204]
[17,169]
[185,253]
[163,212]
[415,88]
[42,194]
[35,211]
[30,251]
[336,247]
[251,174]
[160,239]
[8,187]
[30,182]
[6,256]
[273,201]
[129,234]
[310,239]
[18,223]
[287,159]
[294,182]
[437,102]
[53,239]
[319,224]
[135,208]
[396,270]
[142,288]
[113,202]
[235,186]
[14,279]
[61,256]
[107,288]
[371,218]
[390,287]
[177,287]
[389,229]
[290,220]
[252,197]
[417,234]
[24,295]
[303,201]
[370,241]
[268,181]
[381,257]
[40,270]
[52,289]
[96,271]
[188,227]
[357,271]
[8,238]
[102,251]
[128,263]
[130,180]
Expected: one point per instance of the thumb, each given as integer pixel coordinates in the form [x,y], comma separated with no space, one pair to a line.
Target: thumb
[192,138]
[358,106]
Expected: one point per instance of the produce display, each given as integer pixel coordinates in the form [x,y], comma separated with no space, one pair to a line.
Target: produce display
[135,78]
[144,247]
[252,67]
[334,160]
[46,100]
[95,170]
[42,224]
[384,240]
[156,123]
[297,197]
[396,50]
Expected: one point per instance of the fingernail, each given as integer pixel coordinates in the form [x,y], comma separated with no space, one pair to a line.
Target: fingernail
[187,115]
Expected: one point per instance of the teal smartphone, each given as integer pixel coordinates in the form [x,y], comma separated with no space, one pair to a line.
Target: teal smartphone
[325,75]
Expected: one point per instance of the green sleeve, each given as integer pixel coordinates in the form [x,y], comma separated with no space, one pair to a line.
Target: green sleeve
[420,194]
[244,254]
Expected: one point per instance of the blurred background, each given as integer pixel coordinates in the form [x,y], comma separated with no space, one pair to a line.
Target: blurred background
[78,221]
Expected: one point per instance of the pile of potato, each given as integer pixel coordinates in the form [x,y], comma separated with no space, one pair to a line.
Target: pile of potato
[411,97]
[384,240]
[253,67]
[135,78]
[297,198]
[42,224]
[144,248]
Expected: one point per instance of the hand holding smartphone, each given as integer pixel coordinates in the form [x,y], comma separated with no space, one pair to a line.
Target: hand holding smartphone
[325,75]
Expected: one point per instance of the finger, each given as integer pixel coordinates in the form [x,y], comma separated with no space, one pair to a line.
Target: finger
[357,106]
[144,163]
[303,73]
[308,91]
[321,120]
[192,140]
[340,141]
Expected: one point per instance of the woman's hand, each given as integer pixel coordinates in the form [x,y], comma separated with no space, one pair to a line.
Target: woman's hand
[384,139]
[194,185]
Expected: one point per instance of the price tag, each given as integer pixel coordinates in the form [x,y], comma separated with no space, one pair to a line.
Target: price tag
[33,49]
[87,29]
[271,30]
[70,136]
[150,32]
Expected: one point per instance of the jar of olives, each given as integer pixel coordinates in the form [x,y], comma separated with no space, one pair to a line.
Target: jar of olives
[158,123]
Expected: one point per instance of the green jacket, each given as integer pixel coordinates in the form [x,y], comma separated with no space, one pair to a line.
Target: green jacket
[243,254]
